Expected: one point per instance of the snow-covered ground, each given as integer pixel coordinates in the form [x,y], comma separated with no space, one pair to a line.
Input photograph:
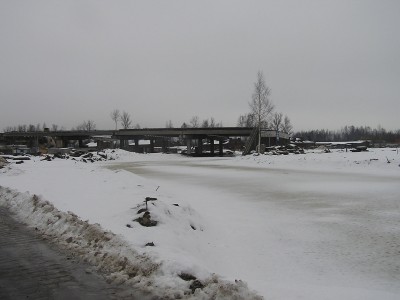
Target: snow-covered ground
[309,226]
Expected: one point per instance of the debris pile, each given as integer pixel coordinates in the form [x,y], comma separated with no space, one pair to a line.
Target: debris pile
[78,155]
[284,150]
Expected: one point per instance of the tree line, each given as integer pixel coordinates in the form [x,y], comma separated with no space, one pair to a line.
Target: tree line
[88,125]
[350,133]
[33,128]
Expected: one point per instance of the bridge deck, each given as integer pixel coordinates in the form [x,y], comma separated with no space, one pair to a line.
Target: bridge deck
[190,132]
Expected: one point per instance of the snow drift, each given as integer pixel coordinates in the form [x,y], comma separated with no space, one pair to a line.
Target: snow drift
[113,256]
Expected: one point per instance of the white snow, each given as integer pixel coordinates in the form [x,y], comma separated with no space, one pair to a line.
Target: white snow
[309,226]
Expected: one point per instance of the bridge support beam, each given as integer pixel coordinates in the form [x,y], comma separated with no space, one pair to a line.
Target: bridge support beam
[123,144]
[221,147]
[189,146]
[137,148]
[199,146]
[151,146]
[212,146]
[65,143]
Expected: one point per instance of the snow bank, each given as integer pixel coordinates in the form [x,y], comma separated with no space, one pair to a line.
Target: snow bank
[116,258]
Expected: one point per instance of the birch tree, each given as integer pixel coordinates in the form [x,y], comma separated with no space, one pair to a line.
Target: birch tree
[261,106]
[115,116]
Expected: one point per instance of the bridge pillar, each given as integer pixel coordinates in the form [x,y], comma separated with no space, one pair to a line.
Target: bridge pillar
[151,146]
[137,149]
[212,146]
[199,146]
[189,146]
[80,141]
[64,143]
[221,148]
[165,144]
[123,144]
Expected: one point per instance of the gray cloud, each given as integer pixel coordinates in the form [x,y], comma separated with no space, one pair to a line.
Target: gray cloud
[328,63]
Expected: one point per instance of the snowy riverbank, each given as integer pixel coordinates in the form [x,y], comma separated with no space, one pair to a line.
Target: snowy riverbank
[267,238]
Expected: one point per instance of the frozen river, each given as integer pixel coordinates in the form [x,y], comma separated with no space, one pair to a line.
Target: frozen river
[295,233]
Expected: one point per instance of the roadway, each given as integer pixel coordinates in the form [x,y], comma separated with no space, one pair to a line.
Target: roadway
[31,268]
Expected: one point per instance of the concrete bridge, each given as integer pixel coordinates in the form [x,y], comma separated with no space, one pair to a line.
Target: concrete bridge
[219,134]
[191,136]
[15,137]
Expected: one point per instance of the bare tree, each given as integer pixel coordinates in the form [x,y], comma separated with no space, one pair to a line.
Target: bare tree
[126,120]
[246,120]
[80,127]
[169,124]
[115,115]
[21,128]
[194,122]
[287,125]
[212,122]
[54,127]
[8,129]
[89,125]
[261,106]
[277,121]
[86,126]
[205,124]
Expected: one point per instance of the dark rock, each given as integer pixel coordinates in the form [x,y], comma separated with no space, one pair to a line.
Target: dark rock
[47,157]
[197,284]
[142,210]
[187,277]
[151,244]
[59,155]
[88,155]
[194,228]
[69,240]
[175,204]
[77,153]
[146,220]
[103,155]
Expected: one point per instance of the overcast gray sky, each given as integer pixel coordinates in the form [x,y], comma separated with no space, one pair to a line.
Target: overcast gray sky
[328,63]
